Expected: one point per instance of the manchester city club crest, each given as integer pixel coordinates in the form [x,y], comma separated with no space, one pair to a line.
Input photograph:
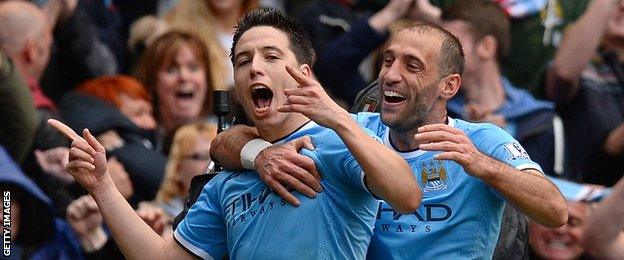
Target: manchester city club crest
[433,176]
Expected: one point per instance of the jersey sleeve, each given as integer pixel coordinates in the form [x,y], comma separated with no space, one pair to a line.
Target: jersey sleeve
[203,230]
[338,160]
[498,144]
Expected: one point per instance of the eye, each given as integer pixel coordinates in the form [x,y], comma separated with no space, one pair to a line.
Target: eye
[387,60]
[242,62]
[414,66]
[194,67]
[272,56]
[172,69]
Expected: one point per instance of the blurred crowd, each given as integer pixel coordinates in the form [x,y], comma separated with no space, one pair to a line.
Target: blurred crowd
[140,76]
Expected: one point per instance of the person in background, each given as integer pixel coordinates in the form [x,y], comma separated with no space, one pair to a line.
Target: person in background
[586,81]
[189,157]
[176,70]
[118,110]
[213,21]
[566,242]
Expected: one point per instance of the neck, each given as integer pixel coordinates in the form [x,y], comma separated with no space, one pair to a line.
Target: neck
[404,141]
[273,131]
[485,88]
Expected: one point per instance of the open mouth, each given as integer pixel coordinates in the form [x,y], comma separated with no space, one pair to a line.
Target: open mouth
[184,94]
[393,97]
[262,97]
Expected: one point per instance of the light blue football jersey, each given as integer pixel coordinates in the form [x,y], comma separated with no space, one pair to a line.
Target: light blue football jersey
[460,216]
[238,214]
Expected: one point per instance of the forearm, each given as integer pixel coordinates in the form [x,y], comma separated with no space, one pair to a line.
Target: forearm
[606,222]
[529,191]
[133,236]
[226,147]
[579,45]
[387,174]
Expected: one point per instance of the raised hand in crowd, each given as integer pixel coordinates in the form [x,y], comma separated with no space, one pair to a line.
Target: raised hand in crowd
[85,219]
[155,217]
[53,161]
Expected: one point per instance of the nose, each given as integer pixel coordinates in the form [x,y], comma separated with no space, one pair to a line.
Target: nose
[255,68]
[185,74]
[148,122]
[392,74]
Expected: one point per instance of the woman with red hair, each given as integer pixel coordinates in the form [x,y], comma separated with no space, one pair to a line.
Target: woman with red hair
[118,111]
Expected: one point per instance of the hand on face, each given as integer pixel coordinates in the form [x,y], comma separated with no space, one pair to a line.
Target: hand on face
[87,157]
[281,166]
[453,144]
[311,100]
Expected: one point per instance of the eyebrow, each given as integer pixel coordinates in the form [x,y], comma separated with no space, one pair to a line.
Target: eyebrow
[263,49]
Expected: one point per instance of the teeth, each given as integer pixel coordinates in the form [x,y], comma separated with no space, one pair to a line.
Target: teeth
[557,243]
[392,94]
[258,86]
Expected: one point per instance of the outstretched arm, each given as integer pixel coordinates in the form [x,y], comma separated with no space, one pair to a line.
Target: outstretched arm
[604,238]
[87,163]
[386,173]
[530,191]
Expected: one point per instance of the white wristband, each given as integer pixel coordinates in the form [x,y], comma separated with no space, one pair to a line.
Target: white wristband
[250,151]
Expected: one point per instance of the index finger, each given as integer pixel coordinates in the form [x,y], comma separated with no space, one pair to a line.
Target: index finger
[63,128]
[439,127]
[298,76]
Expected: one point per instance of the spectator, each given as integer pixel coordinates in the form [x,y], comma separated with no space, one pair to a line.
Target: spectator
[213,21]
[566,242]
[36,232]
[143,32]
[488,96]
[585,81]
[190,156]
[118,111]
[26,36]
[78,53]
[19,117]
[176,70]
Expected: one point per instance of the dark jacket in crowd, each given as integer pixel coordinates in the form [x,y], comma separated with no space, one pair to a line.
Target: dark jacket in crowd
[342,39]
[144,164]
[40,235]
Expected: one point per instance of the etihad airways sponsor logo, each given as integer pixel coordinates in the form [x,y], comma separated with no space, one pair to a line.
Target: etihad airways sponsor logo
[389,220]
[247,206]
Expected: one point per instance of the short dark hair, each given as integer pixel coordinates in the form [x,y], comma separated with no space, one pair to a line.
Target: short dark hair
[485,18]
[451,60]
[299,40]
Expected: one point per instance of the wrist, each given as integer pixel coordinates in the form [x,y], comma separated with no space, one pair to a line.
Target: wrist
[105,188]
[94,240]
[250,151]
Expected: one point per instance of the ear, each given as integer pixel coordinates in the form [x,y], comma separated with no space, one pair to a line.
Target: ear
[450,86]
[486,47]
[305,69]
